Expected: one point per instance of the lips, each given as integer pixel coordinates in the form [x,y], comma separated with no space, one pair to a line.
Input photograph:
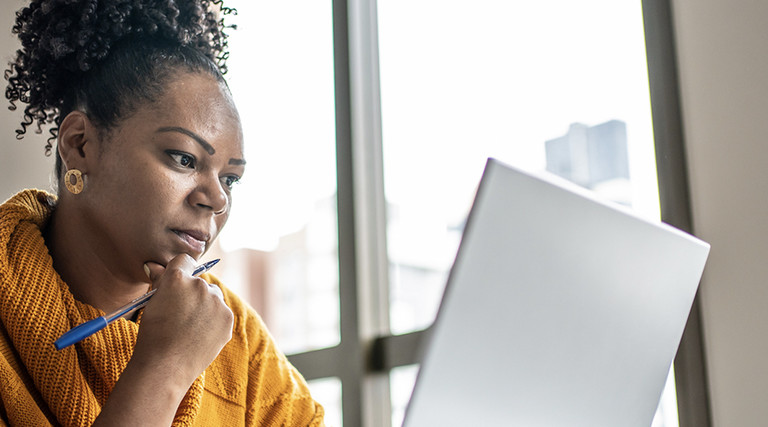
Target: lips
[195,240]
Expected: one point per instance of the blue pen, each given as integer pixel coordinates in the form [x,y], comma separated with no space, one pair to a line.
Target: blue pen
[85,330]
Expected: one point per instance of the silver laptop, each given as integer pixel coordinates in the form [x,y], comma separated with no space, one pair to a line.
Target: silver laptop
[560,310]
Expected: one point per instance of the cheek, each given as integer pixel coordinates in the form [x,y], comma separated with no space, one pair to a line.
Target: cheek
[155,194]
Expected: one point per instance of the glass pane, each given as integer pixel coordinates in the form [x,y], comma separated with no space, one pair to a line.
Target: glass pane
[401,381]
[280,246]
[553,85]
[666,414]
[327,392]
[501,79]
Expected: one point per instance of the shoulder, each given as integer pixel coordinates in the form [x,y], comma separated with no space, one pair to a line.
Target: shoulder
[253,372]
[22,218]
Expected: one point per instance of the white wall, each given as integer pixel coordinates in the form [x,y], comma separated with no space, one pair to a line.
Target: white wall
[22,163]
[723,64]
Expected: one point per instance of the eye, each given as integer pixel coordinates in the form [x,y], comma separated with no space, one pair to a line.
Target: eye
[230,180]
[183,159]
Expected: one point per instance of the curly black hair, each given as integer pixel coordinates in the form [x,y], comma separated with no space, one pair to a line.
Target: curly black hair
[106,56]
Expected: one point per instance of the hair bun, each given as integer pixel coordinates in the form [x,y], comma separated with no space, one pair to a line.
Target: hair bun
[63,39]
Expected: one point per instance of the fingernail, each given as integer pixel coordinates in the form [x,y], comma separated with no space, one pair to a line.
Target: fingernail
[146,270]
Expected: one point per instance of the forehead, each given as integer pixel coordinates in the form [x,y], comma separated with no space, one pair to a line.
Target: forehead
[200,103]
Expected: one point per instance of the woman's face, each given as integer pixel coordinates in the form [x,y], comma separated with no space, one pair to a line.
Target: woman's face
[161,185]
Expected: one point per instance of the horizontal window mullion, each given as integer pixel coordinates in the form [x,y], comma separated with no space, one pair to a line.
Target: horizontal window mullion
[317,364]
[392,351]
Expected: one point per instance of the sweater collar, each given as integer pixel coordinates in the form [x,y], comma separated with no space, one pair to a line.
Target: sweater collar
[36,307]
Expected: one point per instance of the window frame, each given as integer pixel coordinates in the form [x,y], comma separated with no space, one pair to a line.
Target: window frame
[674,198]
[367,350]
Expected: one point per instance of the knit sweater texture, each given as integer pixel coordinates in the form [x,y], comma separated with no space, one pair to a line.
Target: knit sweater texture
[250,383]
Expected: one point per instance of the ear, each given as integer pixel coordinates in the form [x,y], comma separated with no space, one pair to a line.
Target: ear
[77,141]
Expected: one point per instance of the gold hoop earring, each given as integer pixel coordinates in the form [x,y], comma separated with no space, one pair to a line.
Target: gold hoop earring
[77,186]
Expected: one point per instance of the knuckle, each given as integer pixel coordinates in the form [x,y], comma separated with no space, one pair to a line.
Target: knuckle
[200,282]
[175,274]
[228,329]
[226,315]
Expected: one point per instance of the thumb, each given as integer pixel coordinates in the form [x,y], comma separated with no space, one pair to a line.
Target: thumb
[153,270]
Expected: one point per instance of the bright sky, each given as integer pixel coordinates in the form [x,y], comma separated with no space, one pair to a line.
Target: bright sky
[281,74]
[459,84]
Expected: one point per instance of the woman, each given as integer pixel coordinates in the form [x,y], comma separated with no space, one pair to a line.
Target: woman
[148,145]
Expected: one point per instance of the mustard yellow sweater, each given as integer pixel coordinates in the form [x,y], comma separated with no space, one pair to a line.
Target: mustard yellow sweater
[250,382]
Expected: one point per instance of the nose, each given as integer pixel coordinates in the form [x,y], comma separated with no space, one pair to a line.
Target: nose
[210,194]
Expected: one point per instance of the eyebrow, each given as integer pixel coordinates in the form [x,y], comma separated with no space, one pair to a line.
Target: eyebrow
[206,146]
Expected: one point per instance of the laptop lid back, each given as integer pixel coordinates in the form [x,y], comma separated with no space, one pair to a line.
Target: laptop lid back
[560,310]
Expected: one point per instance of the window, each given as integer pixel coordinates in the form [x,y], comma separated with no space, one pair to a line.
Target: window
[523,82]
[282,232]
[539,85]
[279,250]
[368,125]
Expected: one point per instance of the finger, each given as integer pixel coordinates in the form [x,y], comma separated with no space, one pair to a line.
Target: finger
[182,262]
[153,270]
[216,291]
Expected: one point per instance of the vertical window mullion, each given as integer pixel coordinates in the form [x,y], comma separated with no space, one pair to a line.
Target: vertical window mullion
[350,350]
[370,204]
[362,225]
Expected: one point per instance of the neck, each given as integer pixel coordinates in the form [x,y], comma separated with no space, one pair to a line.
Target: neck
[92,277]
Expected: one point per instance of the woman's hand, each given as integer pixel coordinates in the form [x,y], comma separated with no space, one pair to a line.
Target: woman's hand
[183,329]
[186,323]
